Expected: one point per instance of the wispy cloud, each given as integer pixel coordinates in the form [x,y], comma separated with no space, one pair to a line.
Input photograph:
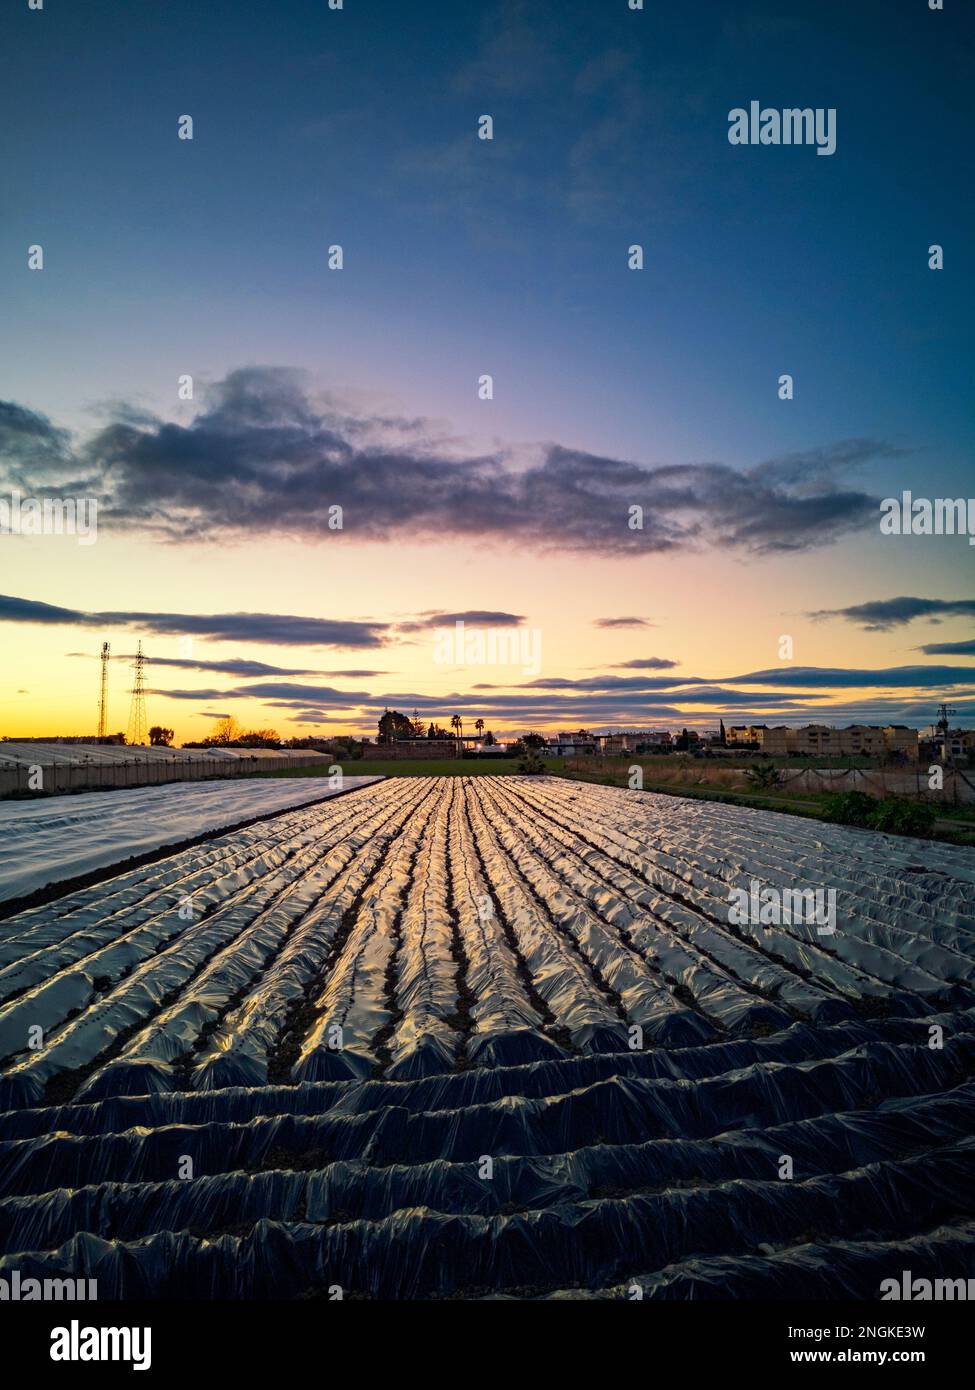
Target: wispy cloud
[646,663]
[949,648]
[275,691]
[880,615]
[235,667]
[621,622]
[854,678]
[473,617]
[797,677]
[794,694]
[275,629]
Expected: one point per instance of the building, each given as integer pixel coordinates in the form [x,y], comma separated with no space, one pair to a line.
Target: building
[901,739]
[860,740]
[960,743]
[568,745]
[632,740]
[777,741]
[616,743]
[870,741]
[824,741]
[745,735]
[817,740]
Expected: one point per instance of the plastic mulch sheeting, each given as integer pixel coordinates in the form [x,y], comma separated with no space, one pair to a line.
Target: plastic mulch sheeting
[492,1038]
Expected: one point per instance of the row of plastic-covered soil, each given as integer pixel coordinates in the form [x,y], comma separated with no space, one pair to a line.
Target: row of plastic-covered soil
[475,1037]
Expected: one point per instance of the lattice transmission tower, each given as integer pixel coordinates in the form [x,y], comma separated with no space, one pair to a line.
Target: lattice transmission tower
[103,694]
[138,723]
[945,711]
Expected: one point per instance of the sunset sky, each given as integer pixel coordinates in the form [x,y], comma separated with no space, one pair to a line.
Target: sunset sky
[357,387]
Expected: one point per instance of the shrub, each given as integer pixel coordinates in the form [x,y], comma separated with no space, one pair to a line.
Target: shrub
[531,764]
[848,808]
[903,817]
[764,775]
[894,814]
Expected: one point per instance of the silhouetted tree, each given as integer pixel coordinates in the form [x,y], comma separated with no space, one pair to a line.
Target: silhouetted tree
[393,725]
[258,738]
[227,731]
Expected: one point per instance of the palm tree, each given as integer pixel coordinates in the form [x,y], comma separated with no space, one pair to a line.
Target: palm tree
[479,725]
[457,724]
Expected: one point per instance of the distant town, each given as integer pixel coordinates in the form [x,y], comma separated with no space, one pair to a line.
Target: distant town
[891,744]
[399,736]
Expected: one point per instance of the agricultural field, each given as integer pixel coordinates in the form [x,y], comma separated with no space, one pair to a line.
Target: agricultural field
[451,1037]
[46,840]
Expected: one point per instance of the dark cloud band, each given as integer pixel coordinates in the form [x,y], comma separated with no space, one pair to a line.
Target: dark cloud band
[262,457]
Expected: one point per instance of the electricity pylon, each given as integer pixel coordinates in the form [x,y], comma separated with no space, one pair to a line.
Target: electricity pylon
[138,724]
[944,720]
[103,695]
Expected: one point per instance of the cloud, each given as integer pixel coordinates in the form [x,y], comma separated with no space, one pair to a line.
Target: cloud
[567,708]
[949,648]
[235,667]
[274,690]
[621,705]
[471,617]
[263,456]
[514,55]
[25,610]
[622,622]
[883,614]
[30,443]
[843,678]
[811,470]
[605,682]
[646,663]
[276,629]
[252,670]
[355,674]
[802,677]
[790,694]
[191,694]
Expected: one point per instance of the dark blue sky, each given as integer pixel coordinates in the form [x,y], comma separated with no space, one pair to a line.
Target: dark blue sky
[314,126]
